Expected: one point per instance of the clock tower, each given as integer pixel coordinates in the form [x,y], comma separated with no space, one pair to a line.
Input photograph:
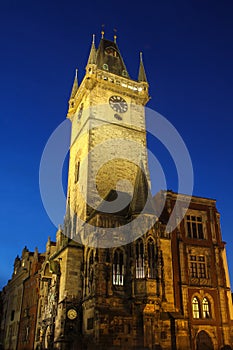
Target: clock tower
[108,138]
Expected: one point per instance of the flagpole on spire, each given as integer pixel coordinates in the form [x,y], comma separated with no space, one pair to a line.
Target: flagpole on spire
[115,36]
[102,31]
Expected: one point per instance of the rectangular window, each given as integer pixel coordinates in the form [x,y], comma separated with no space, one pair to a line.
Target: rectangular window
[193,266]
[202,267]
[198,266]
[194,226]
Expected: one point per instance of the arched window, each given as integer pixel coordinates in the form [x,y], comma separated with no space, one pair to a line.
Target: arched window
[151,258]
[140,270]
[205,308]
[195,308]
[118,268]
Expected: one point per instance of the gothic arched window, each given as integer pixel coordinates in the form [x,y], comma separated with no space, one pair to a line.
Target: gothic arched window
[140,270]
[195,308]
[151,258]
[205,308]
[118,268]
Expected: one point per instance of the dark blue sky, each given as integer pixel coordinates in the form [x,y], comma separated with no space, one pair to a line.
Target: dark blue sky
[188,55]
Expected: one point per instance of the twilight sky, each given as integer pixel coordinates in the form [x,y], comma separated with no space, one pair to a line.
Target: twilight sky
[188,54]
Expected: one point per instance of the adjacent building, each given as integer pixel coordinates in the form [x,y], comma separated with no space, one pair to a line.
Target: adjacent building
[19,302]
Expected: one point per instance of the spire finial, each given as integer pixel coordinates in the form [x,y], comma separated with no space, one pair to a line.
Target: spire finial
[102,31]
[115,36]
[76,73]
[93,38]
[141,56]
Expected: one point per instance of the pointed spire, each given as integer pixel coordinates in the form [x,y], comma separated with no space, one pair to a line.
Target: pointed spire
[142,197]
[108,55]
[142,74]
[92,55]
[75,85]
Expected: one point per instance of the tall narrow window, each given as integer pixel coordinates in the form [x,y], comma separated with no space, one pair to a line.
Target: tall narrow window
[77,169]
[205,308]
[193,266]
[151,258]
[202,267]
[195,308]
[118,268]
[140,271]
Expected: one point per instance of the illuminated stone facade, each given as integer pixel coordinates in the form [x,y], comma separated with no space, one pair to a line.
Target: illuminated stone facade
[168,288]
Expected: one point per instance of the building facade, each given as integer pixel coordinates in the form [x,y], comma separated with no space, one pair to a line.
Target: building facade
[19,302]
[27,323]
[121,279]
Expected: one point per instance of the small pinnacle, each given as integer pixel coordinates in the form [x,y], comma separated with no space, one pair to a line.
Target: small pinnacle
[140,55]
[76,73]
[93,38]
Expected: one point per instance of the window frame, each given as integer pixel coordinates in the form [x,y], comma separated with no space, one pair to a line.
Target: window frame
[139,259]
[151,258]
[118,270]
[195,227]
[196,308]
[206,310]
[198,266]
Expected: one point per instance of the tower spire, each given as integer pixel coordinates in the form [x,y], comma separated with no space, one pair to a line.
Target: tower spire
[75,84]
[92,55]
[142,74]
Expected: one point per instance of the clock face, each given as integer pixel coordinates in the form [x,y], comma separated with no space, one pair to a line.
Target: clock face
[72,314]
[118,104]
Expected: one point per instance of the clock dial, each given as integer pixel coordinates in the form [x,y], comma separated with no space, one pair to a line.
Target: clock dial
[72,314]
[118,104]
